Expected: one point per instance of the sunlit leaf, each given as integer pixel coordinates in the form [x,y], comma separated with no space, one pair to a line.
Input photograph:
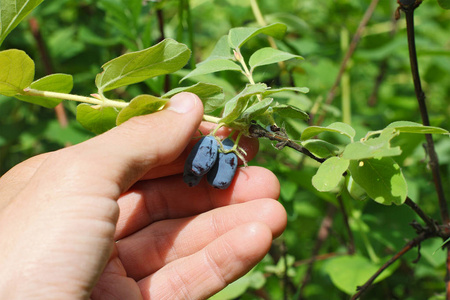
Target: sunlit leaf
[381,178]
[221,50]
[96,119]
[212,66]
[373,147]
[240,35]
[61,83]
[412,127]
[12,13]
[268,55]
[211,95]
[163,58]
[141,105]
[286,89]
[337,127]
[16,73]
[330,173]
[237,105]
[257,109]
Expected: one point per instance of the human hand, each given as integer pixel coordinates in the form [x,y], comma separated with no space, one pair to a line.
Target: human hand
[111,218]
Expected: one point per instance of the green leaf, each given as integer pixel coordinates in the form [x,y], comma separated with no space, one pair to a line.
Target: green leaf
[61,83]
[355,190]
[257,109]
[412,127]
[211,95]
[349,272]
[237,105]
[289,111]
[211,66]
[330,173]
[337,127]
[238,36]
[374,147]
[320,148]
[381,178]
[140,105]
[269,55]
[445,4]
[17,72]
[12,13]
[166,57]
[286,89]
[96,119]
[221,50]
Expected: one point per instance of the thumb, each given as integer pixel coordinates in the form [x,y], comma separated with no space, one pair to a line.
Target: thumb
[113,161]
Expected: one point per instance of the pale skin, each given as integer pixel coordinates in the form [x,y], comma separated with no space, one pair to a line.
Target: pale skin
[111,218]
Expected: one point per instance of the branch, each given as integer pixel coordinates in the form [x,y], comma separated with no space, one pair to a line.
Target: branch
[362,25]
[420,95]
[410,245]
[257,131]
[432,224]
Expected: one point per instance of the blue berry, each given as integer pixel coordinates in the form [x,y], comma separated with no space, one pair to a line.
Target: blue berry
[200,160]
[223,171]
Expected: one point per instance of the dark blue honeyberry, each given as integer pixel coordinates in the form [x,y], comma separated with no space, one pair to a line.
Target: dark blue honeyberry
[223,171]
[200,160]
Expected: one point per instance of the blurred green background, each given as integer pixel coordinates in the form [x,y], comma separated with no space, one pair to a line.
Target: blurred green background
[78,36]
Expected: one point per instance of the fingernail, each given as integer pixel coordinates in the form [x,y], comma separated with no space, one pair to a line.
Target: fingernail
[182,103]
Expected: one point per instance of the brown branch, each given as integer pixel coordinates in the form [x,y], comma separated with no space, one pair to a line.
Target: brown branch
[256,131]
[354,43]
[321,237]
[46,61]
[410,245]
[432,224]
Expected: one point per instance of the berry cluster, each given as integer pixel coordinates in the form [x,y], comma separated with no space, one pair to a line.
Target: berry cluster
[206,159]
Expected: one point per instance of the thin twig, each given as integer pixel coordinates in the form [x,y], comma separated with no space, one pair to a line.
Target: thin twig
[432,224]
[321,237]
[46,61]
[257,131]
[362,25]
[410,245]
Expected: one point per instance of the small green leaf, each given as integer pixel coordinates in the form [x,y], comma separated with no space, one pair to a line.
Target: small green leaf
[12,13]
[355,190]
[140,105]
[257,109]
[96,119]
[269,55]
[330,173]
[412,127]
[320,148]
[222,50]
[212,66]
[289,111]
[17,72]
[238,36]
[381,178]
[374,147]
[286,89]
[337,127]
[61,83]
[211,95]
[163,58]
[349,272]
[445,4]
[237,104]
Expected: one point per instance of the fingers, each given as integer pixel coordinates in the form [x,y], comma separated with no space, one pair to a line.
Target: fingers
[206,272]
[170,197]
[153,247]
[109,163]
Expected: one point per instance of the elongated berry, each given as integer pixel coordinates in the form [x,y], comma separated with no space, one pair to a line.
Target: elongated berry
[223,171]
[200,160]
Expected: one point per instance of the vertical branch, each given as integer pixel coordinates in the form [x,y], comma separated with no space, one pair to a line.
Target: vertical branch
[45,58]
[351,240]
[362,25]
[434,161]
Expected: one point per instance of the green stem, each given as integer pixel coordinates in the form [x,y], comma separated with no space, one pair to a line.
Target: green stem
[257,13]
[211,119]
[90,100]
